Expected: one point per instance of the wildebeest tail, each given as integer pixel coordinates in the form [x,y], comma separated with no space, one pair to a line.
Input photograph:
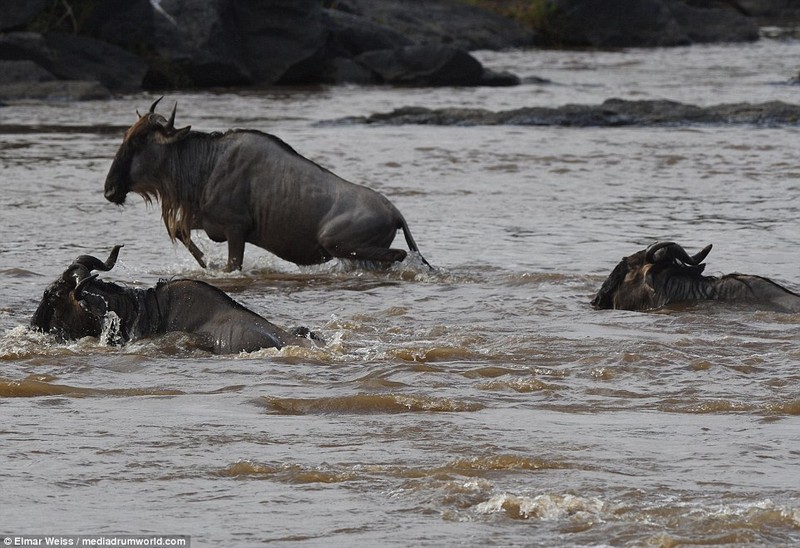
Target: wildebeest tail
[412,245]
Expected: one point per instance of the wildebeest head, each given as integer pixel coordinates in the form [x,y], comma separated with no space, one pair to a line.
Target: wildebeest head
[64,311]
[652,277]
[141,153]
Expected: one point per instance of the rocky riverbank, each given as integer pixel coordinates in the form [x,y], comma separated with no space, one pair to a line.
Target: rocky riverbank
[84,49]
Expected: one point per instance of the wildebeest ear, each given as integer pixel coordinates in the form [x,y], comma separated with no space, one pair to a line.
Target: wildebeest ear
[174,136]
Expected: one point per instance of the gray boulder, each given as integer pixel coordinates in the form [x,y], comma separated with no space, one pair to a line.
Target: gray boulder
[15,14]
[647,23]
[283,41]
[54,90]
[25,80]
[215,42]
[434,65]
[353,35]
[71,57]
[12,72]
[200,40]
[81,58]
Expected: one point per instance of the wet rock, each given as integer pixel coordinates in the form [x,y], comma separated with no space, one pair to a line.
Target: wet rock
[611,113]
[71,57]
[775,12]
[282,40]
[15,14]
[81,58]
[12,72]
[424,66]
[264,42]
[53,90]
[200,42]
[648,23]
[343,70]
[353,35]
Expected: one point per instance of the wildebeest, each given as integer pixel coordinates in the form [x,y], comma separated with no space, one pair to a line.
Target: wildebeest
[247,186]
[77,304]
[665,273]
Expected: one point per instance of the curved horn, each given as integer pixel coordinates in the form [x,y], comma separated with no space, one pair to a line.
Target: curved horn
[153,106]
[702,254]
[668,251]
[649,256]
[81,284]
[93,263]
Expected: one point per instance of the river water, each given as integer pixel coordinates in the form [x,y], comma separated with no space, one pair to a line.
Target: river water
[482,403]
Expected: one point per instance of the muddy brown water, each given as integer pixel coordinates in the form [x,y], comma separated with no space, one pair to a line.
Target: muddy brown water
[483,403]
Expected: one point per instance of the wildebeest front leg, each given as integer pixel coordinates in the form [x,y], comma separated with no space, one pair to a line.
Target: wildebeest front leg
[186,239]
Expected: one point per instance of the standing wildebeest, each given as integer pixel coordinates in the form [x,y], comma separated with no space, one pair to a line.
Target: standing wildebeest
[77,304]
[665,273]
[247,186]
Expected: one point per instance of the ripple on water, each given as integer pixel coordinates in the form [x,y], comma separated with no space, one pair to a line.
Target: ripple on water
[366,404]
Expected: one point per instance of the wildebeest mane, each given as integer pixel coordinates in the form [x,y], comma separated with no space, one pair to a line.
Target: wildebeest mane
[137,308]
[278,141]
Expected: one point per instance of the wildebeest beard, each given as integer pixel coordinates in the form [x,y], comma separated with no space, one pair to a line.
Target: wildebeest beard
[605,297]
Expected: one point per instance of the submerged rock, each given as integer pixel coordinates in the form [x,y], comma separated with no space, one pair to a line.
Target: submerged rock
[611,113]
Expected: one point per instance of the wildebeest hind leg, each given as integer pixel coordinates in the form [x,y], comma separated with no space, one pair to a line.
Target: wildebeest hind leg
[235,252]
[380,254]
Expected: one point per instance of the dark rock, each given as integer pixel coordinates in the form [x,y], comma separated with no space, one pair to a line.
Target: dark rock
[128,24]
[201,41]
[218,42]
[424,66]
[616,23]
[13,72]
[493,78]
[611,113]
[187,43]
[713,24]
[453,22]
[54,90]
[81,58]
[15,14]
[342,70]
[76,58]
[777,12]
[353,35]
[282,40]
[647,23]
[21,46]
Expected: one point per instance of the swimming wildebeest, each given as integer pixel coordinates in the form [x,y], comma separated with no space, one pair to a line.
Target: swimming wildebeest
[248,186]
[665,273]
[77,304]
